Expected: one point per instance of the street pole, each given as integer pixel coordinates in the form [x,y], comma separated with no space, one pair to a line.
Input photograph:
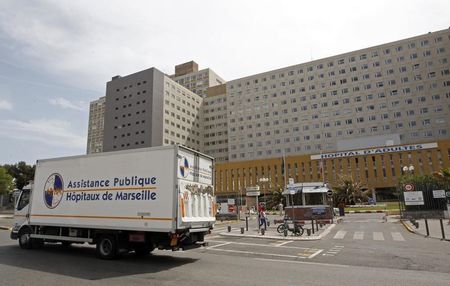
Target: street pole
[257,211]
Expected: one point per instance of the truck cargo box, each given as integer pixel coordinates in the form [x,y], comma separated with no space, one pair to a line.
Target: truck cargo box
[158,189]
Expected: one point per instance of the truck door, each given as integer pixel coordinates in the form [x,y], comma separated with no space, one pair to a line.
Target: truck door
[22,206]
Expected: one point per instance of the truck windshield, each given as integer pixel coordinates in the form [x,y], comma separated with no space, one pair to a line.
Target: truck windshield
[24,199]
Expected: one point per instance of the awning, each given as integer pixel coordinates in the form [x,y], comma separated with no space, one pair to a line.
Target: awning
[312,190]
[306,190]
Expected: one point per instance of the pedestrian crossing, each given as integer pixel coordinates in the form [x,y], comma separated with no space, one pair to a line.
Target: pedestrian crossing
[376,235]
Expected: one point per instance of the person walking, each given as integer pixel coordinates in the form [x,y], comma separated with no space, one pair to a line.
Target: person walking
[262,219]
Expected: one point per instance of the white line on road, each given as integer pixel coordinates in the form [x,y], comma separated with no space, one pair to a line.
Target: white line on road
[283,243]
[303,262]
[256,253]
[358,235]
[219,245]
[340,234]
[315,253]
[397,236]
[265,245]
[378,236]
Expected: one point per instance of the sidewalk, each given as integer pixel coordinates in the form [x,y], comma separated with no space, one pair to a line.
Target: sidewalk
[434,228]
[271,232]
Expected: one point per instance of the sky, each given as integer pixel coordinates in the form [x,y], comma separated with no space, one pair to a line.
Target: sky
[56,56]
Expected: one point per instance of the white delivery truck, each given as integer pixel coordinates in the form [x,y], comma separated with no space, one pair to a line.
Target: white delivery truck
[134,200]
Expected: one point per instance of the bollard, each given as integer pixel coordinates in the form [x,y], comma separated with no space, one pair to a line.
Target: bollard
[246,223]
[312,226]
[229,228]
[426,227]
[442,229]
[242,230]
[308,232]
[317,226]
[285,232]
[416,224]
[263,231]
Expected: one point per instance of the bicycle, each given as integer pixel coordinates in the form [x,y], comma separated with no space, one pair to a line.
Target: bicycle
[297,229]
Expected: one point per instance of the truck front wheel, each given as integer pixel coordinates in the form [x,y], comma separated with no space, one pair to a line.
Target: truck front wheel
[25,241]
[107,247]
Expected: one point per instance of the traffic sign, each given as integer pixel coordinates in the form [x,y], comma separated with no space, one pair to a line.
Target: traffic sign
[252,189]
[439,194]
[408,187]
[253,194]
[329,193]
[448,194]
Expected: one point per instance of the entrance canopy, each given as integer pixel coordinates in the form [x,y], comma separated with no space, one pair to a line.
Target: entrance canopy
[306,188]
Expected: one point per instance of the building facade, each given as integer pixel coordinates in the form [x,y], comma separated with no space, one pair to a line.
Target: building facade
[198,81]
[215,123]
[375,168]
[96,125]
[397,92]
[324,117]
[147,109]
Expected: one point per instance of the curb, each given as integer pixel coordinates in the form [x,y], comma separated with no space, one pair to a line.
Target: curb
[408,228]
[5,227]
[365,212]
[226,222]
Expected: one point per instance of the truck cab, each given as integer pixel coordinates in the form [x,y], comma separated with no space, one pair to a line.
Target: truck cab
[21,210]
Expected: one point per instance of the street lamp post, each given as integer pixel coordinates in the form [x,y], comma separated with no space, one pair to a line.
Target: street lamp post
[408,169]
[405,170]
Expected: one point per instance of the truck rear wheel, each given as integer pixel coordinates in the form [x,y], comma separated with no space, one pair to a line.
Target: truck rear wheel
[107,247]
[25,241]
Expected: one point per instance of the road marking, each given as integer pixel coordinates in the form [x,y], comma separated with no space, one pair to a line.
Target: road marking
[283,243]
[212,236]
[219,245]
[340,234]
[267,245]
[303,262]
[358,235]
[256,253]
[334,250]
[378,236]
[397,236]
[307,252]
[315,253]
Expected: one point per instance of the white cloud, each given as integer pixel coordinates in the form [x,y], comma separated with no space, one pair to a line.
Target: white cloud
[67,104]
[50,132]
[85,44]
[6,105]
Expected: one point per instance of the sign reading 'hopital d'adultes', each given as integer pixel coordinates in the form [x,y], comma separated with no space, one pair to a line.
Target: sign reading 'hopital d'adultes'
[381,150]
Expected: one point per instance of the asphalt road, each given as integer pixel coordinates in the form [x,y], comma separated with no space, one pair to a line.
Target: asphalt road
[362,250]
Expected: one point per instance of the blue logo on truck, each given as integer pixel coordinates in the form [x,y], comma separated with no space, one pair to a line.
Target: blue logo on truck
[53,190]
[184,167]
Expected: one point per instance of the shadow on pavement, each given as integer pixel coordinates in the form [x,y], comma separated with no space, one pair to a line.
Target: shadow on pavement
[81,262]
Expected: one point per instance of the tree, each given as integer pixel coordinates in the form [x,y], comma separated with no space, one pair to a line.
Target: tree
[349,191]
[22,172]
[6,182]
[276,198]
[443,176]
